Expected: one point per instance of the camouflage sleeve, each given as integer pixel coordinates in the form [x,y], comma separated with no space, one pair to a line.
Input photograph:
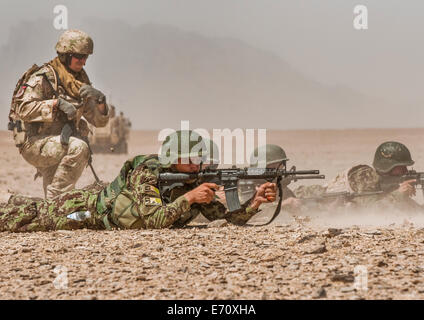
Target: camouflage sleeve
[32,103]
[95,117]
[216,210]
[155,214]
[309,191]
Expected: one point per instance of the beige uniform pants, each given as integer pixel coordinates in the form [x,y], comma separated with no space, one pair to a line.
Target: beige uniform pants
[61,166]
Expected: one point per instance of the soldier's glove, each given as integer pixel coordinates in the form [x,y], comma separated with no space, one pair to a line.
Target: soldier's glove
[67,107]
[87,92]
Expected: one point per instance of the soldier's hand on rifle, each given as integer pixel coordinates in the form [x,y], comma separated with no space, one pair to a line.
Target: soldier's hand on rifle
[67,107]
[220,195]
[86,92]
[407,188]
[205,193]
[267,192]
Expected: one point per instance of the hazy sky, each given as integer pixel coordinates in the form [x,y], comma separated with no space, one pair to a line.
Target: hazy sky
[316,37]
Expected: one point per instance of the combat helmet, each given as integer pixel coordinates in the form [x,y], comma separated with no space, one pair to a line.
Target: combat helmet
[74,41]
[183,144]
[391,154]
[273,154]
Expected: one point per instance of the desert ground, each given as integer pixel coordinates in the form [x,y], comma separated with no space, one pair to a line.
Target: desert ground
[321,256]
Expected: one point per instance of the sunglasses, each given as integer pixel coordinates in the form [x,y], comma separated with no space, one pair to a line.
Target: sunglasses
[80,56]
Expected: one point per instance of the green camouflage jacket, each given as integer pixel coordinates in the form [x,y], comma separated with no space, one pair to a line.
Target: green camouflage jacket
[133,200]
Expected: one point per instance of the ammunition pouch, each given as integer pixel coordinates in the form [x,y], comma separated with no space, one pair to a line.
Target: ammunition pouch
[19,133]
[15,124]
[124,213]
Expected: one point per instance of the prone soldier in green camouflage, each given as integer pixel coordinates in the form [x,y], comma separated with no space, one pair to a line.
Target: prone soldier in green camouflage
[47,99]
[133,200]
[390,161]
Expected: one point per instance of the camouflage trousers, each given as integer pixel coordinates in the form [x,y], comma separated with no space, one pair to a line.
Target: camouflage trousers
[23,214]
[60,166]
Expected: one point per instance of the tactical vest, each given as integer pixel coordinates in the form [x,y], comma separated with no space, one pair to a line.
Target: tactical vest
[116,202]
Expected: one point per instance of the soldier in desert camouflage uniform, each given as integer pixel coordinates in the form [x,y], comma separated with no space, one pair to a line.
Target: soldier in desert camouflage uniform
[133,200]
[390,161]
[50,101]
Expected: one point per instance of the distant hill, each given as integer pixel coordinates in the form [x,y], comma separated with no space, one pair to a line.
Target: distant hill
[159,75]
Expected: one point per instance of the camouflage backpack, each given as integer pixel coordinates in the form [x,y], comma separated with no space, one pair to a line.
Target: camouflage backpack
[117,200]
[15,124]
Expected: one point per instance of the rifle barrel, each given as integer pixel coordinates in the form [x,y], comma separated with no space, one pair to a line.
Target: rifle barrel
[320,176]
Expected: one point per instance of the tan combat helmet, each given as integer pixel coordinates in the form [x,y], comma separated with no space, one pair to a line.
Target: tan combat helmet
[74,41]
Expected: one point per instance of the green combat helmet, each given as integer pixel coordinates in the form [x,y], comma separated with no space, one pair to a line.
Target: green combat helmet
[183,144]
[391,154]
[273,154]
[74,41]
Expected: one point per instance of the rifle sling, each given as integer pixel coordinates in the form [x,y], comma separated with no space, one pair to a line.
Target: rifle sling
[277,210]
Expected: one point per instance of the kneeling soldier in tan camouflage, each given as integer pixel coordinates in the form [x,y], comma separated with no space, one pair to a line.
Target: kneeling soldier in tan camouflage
[45,116]
[133,200]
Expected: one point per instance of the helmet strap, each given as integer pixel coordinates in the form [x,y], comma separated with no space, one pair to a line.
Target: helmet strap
[68,60]
[65,59]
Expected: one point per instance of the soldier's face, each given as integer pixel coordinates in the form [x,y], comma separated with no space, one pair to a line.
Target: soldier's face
[398,171]
[187,167]
[77,64]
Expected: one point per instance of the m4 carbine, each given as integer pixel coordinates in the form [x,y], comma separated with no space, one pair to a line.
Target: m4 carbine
[391,183]
[229,179]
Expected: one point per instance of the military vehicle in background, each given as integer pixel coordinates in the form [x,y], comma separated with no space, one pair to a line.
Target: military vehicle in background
[113,138]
